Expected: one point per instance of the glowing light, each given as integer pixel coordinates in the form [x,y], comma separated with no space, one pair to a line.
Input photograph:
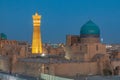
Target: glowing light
[42,54]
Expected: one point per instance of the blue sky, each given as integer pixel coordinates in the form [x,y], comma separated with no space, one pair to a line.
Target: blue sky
[59,18]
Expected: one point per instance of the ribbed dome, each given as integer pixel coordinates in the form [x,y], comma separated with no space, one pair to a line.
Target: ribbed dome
[90,28]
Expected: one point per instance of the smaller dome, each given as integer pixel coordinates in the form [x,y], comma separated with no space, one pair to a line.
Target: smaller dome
[90,28]
[3,36]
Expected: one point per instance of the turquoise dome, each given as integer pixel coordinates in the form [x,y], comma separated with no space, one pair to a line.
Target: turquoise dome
[90,28]
[3,36]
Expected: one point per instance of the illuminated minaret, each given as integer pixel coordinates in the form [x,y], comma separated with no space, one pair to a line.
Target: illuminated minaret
[36,40]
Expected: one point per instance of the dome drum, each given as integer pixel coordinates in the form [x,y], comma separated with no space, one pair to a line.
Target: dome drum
[89,35]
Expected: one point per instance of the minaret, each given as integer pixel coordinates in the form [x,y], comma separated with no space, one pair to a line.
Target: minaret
[36,40]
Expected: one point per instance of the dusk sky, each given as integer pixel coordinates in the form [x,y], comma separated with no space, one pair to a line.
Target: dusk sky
[59,18]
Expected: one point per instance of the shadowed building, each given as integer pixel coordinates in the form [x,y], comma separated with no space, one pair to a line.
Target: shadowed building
[36,40]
